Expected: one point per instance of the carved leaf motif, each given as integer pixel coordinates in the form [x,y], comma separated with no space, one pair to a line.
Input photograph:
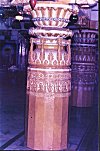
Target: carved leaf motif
[50,57]
[55,62]
[62,62]
[52,84]
[34,57]
[46,62]
[65,56]
[40,76]
[38,61]
[29,58]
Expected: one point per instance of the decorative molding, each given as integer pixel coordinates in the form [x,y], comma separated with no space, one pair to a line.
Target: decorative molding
[84,78]
[52,84]
[85,37]
[52,14]
[50,57]
[50,33]
[83,67]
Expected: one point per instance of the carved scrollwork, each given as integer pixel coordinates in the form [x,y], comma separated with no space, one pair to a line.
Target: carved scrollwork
[84,78]
[45,83]
[85,37]
[50,57]
[83,68]
[84,54]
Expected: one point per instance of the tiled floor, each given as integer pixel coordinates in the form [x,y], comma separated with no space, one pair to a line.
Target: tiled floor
[12,112]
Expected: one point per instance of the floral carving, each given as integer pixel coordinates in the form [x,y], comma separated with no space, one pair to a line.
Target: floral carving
[45,83]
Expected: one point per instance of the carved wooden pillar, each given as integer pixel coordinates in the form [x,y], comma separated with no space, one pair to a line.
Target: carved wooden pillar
[48,89]
[49,77]
[84,49]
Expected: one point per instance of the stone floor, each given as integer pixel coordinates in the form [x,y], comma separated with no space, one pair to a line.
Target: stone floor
[83,122]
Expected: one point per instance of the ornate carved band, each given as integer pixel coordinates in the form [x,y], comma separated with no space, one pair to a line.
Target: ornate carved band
[50,19]
[49,56]
[52,14]
[85,37]
[84,78]
[82,54]
[49,83]
[50,33]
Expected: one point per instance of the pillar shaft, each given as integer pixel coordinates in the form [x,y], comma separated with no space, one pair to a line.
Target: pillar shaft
[48,90]
[84,49]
